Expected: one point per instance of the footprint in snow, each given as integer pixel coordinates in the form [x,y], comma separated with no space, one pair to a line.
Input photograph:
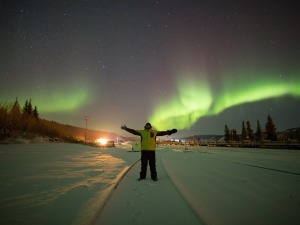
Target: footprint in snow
[130,203]
[136,217]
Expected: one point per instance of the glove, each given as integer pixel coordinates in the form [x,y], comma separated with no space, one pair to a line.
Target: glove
[123,127]
[174,131]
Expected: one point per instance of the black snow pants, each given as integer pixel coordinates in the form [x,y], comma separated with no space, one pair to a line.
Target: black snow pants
[148,155]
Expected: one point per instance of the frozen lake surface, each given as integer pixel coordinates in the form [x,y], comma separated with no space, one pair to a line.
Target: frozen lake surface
[66,183]
[54,183]
[227,186]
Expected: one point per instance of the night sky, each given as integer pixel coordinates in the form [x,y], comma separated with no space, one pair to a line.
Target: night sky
[191,65]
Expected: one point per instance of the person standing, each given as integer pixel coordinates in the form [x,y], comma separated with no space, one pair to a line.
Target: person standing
[148,147]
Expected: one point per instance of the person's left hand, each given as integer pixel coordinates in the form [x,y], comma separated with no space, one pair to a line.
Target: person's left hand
[174,131]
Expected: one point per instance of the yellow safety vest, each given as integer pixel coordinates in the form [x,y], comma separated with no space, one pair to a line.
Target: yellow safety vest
[148,139]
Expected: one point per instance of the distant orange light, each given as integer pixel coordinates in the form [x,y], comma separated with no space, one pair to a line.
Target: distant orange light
[102,141]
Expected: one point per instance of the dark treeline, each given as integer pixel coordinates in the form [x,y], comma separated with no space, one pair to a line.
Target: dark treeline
[266,133]
[16,122]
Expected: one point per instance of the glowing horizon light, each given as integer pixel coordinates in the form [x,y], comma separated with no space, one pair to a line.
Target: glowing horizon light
[102,141]
[194,99]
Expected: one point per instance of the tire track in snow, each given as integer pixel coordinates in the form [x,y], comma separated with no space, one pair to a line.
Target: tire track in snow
[266,168]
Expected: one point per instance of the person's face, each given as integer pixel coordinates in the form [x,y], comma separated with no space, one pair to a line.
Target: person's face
[148,126]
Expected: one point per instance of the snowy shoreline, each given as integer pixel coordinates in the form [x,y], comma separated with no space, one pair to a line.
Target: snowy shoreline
[288,145]
[37,139]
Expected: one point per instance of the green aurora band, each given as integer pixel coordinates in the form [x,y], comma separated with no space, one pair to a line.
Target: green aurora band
[62,101]
[56,99]
[195,100]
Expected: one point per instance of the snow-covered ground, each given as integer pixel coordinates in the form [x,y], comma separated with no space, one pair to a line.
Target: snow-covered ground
[67,184]
[55,183]
[238,186]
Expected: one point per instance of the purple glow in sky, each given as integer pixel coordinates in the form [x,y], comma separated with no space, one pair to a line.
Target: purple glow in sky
[195,65]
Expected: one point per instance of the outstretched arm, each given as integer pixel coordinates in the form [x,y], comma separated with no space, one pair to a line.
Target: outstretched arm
[168,132]
[132,131]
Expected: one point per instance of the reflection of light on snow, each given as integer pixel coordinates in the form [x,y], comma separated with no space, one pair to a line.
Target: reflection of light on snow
[177,150]
[102,141]
[57,174]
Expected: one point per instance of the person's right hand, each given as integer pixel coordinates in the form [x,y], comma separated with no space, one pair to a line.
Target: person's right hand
[123,127]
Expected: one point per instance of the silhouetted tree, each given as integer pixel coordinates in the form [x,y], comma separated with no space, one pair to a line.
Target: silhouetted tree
[234,136]
[16,109]
[25,108]
[35,113]
[258,134]
[271,129]
[249,131]
[244,131]
[15,121]
[15,115]
[227,134]
[3,120]
[30,109]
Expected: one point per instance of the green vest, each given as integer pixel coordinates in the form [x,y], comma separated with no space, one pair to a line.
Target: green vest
[148,139]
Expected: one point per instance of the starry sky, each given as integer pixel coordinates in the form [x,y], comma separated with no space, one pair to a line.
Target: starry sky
[185,64]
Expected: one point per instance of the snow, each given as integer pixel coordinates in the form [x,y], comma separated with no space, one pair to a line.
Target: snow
[238,186]
[55,183]
[77,184]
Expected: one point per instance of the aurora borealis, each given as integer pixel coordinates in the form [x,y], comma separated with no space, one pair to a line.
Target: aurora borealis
[195,100]
[190,65]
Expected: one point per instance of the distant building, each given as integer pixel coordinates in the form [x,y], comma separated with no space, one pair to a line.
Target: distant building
[292,134]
